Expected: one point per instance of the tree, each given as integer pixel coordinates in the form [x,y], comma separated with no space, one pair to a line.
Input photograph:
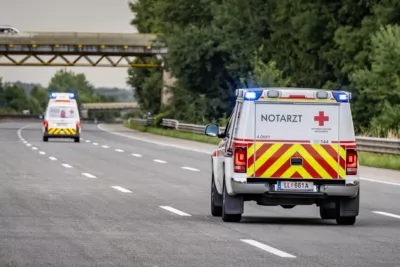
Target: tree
[40,96]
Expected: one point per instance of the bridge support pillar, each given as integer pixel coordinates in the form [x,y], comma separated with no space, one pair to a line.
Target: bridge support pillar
[168,81]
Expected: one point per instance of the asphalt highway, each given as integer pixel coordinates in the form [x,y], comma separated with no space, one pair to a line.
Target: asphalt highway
[122,198]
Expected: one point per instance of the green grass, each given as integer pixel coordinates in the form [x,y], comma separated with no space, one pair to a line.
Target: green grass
[366,159]
[376,160]
[174,133]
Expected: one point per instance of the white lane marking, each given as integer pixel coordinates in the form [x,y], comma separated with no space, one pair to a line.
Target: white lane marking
[34,148]
[119,150]
[269,249]
[121,189]
[155,142]
[136,155]
[82,139]
[28,144]
[87,141]
[20,130]
[42,152]
[171,209]
[159,161]
[379,181]
[387,214]
[66,165]
[25,142]
[95,144]
[52,158]
[105,146]
[88,175]
[190,169]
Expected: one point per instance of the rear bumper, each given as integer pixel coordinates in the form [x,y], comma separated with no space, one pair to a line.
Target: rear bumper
[61,135]
[324,189]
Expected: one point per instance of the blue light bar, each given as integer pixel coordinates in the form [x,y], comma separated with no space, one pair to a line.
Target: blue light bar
[252,95]
[53,95]
[342,97]
[71,96]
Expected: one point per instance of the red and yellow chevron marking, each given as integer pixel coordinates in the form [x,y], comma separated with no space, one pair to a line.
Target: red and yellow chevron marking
[61,131]
[273,161]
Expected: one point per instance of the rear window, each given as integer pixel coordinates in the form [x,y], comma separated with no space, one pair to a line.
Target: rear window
[63,112]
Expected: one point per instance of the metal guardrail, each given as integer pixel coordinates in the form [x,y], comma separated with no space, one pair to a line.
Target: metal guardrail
[367,144]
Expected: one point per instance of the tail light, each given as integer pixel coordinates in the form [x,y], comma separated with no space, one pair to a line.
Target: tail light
[46,124]
[240,164]
[78,125]
[351,162]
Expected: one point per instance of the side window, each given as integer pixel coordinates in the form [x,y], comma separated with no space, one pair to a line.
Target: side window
[228,127]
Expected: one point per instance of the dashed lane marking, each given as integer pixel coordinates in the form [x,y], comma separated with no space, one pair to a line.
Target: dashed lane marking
[95,144]
[87,141]
[88,175]
[171,209]
[66,165]
[28,144]
[34,148]
[387,214]
[159,161]
[105,146]
[119,150]
[52,158]
[123,190]
[42,152]
[137,155]
[190,169]
[267,248]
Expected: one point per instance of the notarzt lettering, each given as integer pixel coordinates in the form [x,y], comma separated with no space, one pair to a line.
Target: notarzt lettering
[281,118]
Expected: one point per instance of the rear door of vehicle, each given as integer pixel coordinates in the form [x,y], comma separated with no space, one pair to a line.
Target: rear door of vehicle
[296,140]
[62,119]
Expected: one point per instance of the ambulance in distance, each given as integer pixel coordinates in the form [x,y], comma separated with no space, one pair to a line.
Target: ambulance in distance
[287,147]
[61,119]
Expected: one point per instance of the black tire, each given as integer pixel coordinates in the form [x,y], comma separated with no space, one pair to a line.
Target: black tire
[77,139]
[346,220]
[228,217]
[45,139]
[216,211]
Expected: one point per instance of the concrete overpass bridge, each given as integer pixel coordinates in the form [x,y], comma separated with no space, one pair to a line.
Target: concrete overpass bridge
[87,49]
[123,106]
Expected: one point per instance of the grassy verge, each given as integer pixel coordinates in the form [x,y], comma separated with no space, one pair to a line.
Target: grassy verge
[365,158]
[174,133]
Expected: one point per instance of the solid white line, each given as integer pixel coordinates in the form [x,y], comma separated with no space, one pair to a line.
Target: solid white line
[121,189]
[42,152]
[88,175]
[171,209]
[119,150]
[159,161]
[52,158]
[66,165]
[87,141]
[95,144]
[387,214]
[34,148]
[268,248]
[105,146]
[28,144]
[190,169]
[154,142]
[379,181]
[136,155]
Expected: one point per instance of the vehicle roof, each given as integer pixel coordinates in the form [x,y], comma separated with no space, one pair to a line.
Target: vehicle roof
[286,88]
[8,26]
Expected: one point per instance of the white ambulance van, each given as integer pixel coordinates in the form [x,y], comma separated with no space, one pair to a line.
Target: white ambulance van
[62,119]
[287,147]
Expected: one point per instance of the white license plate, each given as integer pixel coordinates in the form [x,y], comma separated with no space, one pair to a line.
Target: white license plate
[62,124]
[295,186]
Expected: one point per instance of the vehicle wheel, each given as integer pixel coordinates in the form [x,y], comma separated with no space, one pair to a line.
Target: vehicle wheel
[216,198]
[346,220]
[327,214]
[45,139]
[77,139]
[228,217]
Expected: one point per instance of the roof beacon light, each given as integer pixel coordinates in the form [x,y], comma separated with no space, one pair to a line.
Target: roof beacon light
[71,95]
[322,95]
[341,97]
[273,94]
[53,95]
[252,95]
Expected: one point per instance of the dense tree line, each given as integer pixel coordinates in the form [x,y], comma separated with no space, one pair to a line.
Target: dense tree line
[216,46]
[14,100]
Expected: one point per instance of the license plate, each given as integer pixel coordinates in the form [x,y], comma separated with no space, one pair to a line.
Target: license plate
[62,124]
[295,186]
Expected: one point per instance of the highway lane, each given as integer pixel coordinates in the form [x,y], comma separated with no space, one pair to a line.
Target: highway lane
[372,242]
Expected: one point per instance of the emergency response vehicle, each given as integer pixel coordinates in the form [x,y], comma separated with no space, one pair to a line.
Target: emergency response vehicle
[61,119]
[287,147]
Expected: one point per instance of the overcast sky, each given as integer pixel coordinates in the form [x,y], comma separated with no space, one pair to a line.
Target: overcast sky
[67,15]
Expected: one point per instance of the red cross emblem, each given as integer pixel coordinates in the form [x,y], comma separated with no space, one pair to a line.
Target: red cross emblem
[71,111]
[321,118]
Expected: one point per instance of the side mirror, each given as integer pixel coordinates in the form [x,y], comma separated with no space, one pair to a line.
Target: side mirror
[212,130]
[41,116]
